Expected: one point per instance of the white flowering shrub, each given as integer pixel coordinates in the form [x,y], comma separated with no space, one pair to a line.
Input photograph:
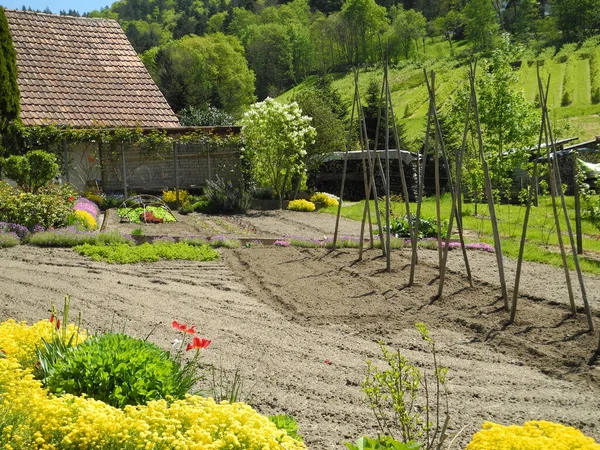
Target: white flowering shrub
[276,136]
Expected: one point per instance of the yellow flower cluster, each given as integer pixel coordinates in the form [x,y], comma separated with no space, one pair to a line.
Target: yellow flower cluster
[85,219]
[33,418]
[534,435]
[301,205]
[326,199]
[171,196]
[19,340]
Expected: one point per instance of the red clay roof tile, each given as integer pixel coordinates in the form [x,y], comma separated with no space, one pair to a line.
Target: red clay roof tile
[83,72]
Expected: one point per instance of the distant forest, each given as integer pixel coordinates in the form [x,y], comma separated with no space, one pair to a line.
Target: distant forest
[212,58]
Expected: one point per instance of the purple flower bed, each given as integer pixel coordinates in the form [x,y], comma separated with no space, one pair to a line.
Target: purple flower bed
[18,230]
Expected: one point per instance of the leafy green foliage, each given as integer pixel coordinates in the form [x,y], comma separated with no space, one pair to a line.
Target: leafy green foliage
[192,116]
[407,30]
[70,237]
[202,71]
[9,100]
[577,19]
[125,254]
[323,104]
[224,197]
[481,26]
[31,171]
[276,136]
[8,239]
[287,423]
[49,207]
[119,370]
[396,392]
[427,228]
[383,443]
[133,214]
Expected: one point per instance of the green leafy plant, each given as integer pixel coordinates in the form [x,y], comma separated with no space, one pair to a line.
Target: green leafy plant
[8,239]
[54,350]
[133,214]
[224,197]
[32,170]
[49,207]
[71,237]
[287,423]
[137,232]
[427,227]
[119,370]
[126,254]
[383,443]
[394,395]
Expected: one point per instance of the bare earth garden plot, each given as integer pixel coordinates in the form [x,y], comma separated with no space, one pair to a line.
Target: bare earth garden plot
[280,313]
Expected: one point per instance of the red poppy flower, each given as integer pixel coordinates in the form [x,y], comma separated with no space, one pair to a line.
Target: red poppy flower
[51,318]
[191,330]
[58,324]
[198,343]
[179,326]
[71,199]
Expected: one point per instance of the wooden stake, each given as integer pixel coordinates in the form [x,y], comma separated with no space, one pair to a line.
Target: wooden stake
[345,167]
[530,197]
[488,190]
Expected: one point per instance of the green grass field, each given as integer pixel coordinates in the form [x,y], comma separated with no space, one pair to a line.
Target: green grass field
[542,238]
[409,93]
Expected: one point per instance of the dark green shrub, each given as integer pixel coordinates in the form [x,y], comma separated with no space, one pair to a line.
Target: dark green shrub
[9,99]
[32,170]
[224,197]
[566,99]
[119,370]
[201,206]
[596,96]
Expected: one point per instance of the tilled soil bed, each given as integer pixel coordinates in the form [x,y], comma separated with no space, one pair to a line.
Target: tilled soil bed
[300,324]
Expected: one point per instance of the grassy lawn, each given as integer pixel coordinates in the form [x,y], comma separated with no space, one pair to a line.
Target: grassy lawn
[542,239]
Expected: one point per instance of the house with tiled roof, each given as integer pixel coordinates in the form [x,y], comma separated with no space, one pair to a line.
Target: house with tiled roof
[83,73]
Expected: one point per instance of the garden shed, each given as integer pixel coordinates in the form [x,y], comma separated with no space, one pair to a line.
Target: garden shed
[328,176]
[86,95]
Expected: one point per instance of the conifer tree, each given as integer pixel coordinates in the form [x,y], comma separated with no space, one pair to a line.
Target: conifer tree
[9,100]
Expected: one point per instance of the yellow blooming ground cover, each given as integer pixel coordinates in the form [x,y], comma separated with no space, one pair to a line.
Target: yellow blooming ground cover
[534,435]
[86,219]
[33,418]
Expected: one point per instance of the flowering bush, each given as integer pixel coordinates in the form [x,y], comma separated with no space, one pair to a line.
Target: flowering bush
[276,136]
[325,198]
[171,196]
[534,435]
[83,204]
[48,207]
[33,418]
[301,205]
